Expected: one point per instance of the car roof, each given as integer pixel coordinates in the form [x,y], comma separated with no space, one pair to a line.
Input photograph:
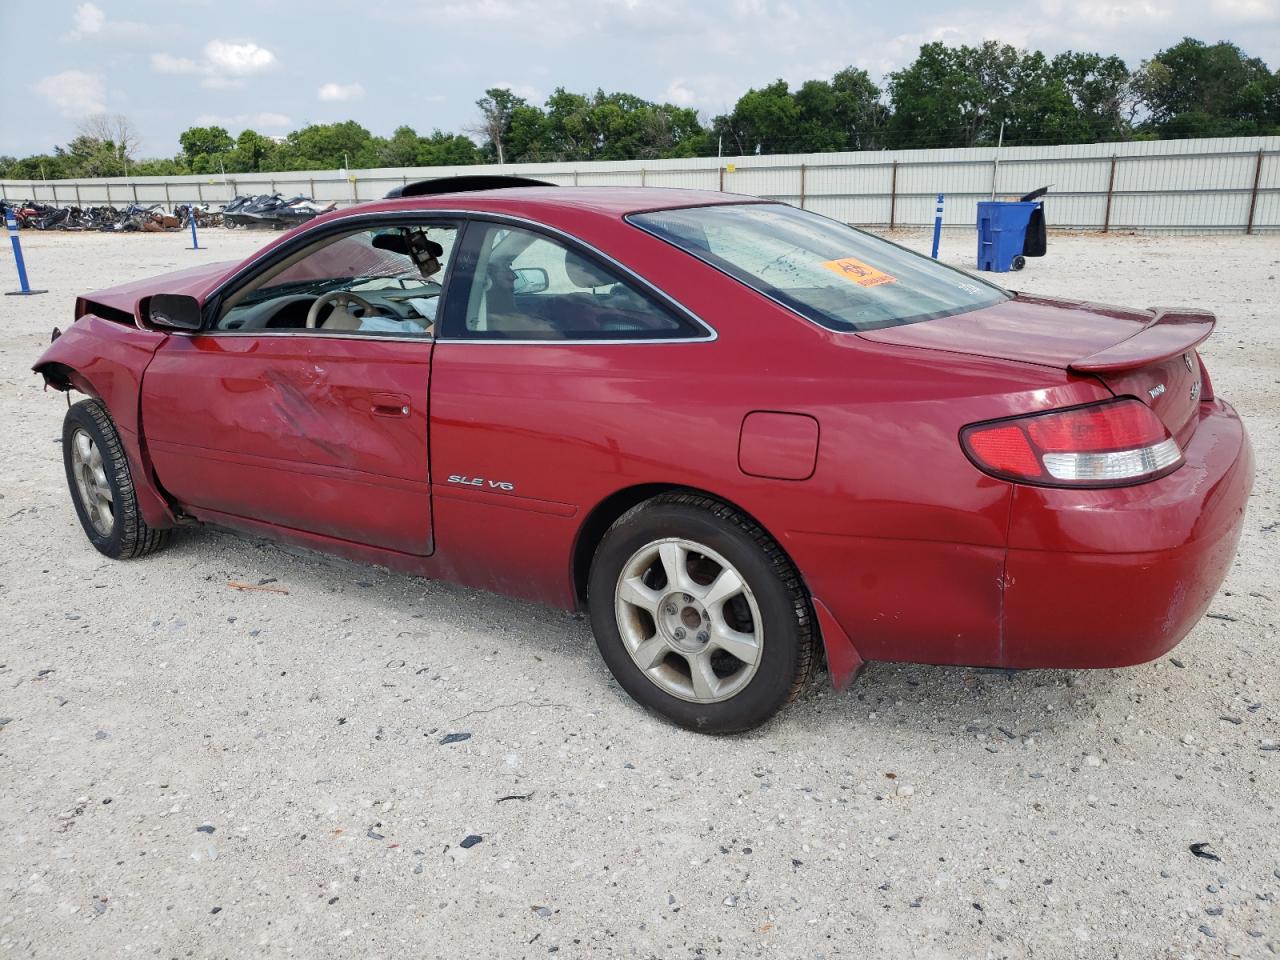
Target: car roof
[608,201]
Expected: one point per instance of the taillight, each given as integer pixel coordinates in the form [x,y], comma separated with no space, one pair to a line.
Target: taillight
[1108,444]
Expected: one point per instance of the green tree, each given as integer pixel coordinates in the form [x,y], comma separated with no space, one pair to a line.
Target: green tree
[401,149]
[947,97]
[505,117]
[953,96]
[1101,89]
[161,167]
[328,146]
[405,148]
[203,147]
[844,113]
[92,157]
[762,121]
[1196,90]
[43,166]
[615,126]
[253,153]
[1038,108]
[442,149]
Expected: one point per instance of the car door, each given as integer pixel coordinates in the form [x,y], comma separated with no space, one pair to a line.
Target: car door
[549,355]
[298,407]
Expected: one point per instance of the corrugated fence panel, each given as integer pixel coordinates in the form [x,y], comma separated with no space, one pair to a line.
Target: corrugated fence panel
[1159,185]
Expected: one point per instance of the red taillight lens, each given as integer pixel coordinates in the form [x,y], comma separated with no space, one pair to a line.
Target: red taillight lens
[1109,444]
[1005,450]
[1111,426]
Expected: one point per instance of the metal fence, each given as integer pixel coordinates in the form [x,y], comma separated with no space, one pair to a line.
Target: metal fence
[1223,185]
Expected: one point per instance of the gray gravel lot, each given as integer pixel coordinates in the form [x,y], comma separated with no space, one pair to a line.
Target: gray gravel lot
[187,770]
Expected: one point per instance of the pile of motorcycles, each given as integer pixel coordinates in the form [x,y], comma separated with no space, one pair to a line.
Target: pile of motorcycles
[265,211]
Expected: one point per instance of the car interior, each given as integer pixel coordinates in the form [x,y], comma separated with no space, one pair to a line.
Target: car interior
[527,286]
[374,281]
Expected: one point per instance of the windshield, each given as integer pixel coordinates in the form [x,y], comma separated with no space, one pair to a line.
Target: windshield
[839,277]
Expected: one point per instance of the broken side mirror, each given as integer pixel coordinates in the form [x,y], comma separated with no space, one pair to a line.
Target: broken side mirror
[175,311]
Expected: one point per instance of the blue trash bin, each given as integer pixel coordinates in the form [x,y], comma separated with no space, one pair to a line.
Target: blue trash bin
[1002,233]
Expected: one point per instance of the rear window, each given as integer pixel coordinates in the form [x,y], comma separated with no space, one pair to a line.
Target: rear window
[839,277]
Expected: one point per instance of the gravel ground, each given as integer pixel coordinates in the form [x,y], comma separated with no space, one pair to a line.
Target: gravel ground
[376,766]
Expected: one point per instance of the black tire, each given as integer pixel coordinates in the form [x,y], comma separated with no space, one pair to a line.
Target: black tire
[127,534]
[1018,263]
[788,655]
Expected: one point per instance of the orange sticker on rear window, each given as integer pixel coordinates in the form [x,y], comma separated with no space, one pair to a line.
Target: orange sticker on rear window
[858,272]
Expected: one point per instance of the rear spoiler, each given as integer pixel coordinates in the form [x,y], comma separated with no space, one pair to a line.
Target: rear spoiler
[1171,331]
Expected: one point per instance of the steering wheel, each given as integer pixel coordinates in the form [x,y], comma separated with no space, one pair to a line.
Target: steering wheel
[339,298]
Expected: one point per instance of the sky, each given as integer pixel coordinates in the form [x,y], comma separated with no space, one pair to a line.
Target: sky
[276,65]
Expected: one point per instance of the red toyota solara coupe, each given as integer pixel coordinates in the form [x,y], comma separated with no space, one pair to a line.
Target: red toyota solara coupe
[739,434]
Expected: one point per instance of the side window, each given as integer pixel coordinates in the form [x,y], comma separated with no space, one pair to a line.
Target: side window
[514,284]
[377,281]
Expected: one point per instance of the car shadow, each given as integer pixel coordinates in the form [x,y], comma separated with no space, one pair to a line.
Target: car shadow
[991,706]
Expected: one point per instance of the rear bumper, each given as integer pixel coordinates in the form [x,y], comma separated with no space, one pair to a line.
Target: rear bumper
[1111,578]
[1089,578]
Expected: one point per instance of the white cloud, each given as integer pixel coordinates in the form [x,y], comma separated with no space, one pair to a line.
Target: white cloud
[168,63]
[74,93]
[490,11]
[340,92]
[1247,10]
[90,22]
[1108,13]
[223,65]
[522,90]
[680,95]
[89,18]
[238,59]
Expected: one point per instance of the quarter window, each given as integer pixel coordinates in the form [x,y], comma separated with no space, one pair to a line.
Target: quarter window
[515,284]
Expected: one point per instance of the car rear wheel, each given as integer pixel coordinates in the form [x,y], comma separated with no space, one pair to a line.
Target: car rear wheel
[699,614]
[101,485]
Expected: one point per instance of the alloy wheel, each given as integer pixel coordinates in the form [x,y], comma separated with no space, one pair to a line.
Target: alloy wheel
[689,620]
[91,482]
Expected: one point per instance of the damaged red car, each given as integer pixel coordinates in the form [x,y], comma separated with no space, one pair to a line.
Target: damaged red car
[743,437]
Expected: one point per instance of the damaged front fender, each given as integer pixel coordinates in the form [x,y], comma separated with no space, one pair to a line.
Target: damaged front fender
[106,360]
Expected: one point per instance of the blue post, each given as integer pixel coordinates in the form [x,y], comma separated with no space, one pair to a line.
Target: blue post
[11,222]
[191,215]
[937,227]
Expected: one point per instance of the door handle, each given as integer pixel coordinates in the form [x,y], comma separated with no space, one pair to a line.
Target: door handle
[390,405]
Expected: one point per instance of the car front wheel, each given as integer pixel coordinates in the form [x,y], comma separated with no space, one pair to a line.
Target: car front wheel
[699,614]
[101,485]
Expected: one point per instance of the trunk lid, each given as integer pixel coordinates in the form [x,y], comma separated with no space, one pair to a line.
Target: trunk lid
[1148,354]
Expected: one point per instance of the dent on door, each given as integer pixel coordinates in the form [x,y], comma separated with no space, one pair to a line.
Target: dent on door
[319,434]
